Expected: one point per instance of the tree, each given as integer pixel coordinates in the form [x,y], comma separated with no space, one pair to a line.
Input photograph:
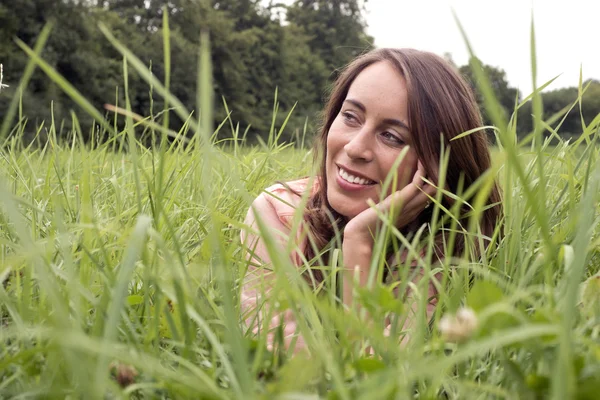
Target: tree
[145,14]
[254,53]
[505,94]
[72,50]
[335,28]
[555,100]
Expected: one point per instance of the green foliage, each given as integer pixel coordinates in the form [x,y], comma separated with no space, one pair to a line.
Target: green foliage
[120,272]
[253,54]
[336,29]
[555,103]
[556,100]
[505,94]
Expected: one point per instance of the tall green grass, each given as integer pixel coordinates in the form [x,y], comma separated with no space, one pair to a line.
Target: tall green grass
[121,266]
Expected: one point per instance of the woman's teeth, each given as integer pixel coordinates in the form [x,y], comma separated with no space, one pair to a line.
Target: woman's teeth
[354,179]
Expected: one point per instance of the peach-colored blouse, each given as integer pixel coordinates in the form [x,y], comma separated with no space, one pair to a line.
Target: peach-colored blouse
[276,207]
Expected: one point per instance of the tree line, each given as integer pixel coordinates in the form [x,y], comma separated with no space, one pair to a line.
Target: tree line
[257,48]
[556,103]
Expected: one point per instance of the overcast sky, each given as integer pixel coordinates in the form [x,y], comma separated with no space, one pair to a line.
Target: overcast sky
[567,34]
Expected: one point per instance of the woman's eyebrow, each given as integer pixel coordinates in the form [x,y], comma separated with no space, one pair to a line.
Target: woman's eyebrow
[396,122]
[356,104]
[387,121]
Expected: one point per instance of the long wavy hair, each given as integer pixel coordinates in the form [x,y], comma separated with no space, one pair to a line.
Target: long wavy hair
[441,105]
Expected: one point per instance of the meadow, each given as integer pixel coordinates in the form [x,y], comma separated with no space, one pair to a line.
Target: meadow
[121,264]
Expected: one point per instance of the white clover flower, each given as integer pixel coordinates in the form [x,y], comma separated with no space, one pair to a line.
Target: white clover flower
[2,86]
[458,328]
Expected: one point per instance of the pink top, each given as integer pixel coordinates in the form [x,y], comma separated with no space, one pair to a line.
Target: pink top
[277,206]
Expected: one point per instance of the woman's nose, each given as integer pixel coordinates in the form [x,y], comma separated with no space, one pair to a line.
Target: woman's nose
[360,146]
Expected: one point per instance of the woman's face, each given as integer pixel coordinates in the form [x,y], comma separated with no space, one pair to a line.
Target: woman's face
[366,138]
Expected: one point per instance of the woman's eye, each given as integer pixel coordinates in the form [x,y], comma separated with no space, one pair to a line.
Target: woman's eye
[392,138]
[349,117]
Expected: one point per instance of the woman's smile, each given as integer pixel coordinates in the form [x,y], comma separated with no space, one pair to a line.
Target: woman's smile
[353,182]
[354,177]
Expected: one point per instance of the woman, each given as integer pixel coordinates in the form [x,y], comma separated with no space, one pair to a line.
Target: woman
[386,104]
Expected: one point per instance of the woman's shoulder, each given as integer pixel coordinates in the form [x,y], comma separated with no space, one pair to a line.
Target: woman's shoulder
[284,198]
[293,189]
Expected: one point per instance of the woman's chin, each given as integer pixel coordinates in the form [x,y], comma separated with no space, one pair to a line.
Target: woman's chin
[349,213]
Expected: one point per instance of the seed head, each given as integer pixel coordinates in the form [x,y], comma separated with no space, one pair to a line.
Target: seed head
[458,328]
[124,374]
[590,297]
[2,86]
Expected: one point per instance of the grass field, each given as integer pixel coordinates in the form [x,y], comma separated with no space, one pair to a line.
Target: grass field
[120,274]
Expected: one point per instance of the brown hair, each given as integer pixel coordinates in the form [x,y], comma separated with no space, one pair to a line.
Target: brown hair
[441,105]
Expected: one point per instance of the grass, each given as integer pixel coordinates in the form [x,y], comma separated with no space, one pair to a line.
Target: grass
[121,264]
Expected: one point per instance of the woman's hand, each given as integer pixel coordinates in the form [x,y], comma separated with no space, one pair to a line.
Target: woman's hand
[407,203]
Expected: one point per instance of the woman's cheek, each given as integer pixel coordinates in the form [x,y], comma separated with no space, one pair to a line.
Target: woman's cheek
[406,171]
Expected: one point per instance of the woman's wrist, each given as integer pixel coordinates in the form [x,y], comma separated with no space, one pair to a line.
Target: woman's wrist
[358,235]
[357,244]
[357,252]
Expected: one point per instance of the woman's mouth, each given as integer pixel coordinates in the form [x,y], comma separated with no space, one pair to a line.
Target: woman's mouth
[353,179]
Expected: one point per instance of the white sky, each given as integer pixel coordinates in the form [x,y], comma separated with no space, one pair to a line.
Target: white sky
[567,34]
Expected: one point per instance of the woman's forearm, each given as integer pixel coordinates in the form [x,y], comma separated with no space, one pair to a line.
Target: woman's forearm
[357,259]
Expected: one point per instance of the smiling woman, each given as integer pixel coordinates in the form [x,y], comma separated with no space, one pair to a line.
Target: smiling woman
[390,113]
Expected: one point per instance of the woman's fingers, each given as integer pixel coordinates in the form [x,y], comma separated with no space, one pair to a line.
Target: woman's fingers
[421,200]
[415,204]
[411,195]
[406,203]
[417,178]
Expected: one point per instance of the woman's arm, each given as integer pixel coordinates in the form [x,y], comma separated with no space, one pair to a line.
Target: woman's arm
[360,231]
[357,258]
[414,302]
[259,279]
